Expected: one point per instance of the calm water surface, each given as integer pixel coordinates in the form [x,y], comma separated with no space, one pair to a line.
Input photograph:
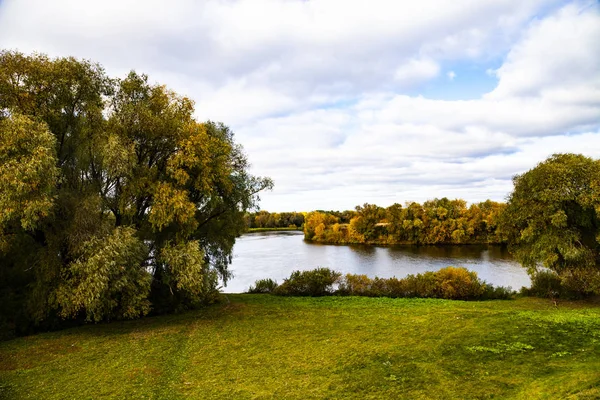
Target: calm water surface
[276,254]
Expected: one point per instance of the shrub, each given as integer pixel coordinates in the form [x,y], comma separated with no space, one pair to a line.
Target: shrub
[491,292]
[572,284]
[362,285]
[458,283]
[263,286]
[420,285]
[382,287]
[544,284]
[316,282]
[355,285]
[580,282]
[448,283]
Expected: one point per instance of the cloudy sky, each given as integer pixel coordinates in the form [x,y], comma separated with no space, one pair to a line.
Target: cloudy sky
[345,102]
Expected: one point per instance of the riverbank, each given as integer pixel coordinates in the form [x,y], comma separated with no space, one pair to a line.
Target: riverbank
[276,255]
[392,243]
[252,230]
[262,346]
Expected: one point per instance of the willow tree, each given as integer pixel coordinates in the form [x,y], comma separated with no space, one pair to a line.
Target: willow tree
[552,220]
[114,199]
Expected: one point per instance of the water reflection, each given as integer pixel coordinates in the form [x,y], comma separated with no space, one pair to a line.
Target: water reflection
[276,254]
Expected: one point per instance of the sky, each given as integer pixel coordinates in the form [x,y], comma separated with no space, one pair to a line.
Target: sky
[349,102]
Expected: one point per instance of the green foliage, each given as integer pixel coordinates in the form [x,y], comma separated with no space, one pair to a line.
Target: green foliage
[289,228]
[545,284]
[356,285]
[548,284]
[316,282]
[263,286]
[264,220]
[553,220]
[27,172]
[367,220]
[112,194]
[186,267]
[491,292]
[108,279]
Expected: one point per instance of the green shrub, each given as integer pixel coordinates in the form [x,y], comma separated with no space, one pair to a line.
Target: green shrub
[263,286]
[381,287]
[393,287]
[545,284]
[420,285]
[491,292]
[316,282]
[580,282]
[573,284]
[362,285]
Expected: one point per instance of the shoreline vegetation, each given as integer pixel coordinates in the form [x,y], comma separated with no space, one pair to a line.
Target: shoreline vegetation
[435,222]
[284,229]
[450,283]
[264,221]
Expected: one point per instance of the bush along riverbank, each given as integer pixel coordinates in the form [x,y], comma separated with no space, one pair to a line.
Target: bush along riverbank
[448,283]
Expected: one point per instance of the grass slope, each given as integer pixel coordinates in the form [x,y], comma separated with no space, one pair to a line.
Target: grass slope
[261,347]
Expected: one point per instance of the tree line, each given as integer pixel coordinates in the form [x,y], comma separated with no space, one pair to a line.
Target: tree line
[437,221]
[266,220]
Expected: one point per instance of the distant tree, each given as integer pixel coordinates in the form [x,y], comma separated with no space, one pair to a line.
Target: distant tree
[482,221]
[394,215]
[265,219]
[368,216]
[316,224]
[553,220]
[113,198]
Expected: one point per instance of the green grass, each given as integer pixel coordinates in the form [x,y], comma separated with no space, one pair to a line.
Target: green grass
[262,347]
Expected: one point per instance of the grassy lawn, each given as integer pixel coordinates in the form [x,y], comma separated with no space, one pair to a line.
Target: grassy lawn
[262,347]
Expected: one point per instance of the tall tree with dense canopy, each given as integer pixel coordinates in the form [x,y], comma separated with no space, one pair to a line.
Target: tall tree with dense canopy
[553,220]
[113,198]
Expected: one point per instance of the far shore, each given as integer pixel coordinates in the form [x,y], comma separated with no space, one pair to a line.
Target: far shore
[252,230]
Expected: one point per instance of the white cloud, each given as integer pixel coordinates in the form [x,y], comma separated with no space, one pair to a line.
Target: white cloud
[415,71]
[321,93]
[558,52]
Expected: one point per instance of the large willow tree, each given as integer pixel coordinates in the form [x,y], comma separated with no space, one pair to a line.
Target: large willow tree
[113,199]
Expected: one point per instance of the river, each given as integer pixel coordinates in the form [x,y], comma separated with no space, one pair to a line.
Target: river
[276,254]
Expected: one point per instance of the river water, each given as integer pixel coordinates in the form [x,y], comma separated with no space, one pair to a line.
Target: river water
[276,254]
